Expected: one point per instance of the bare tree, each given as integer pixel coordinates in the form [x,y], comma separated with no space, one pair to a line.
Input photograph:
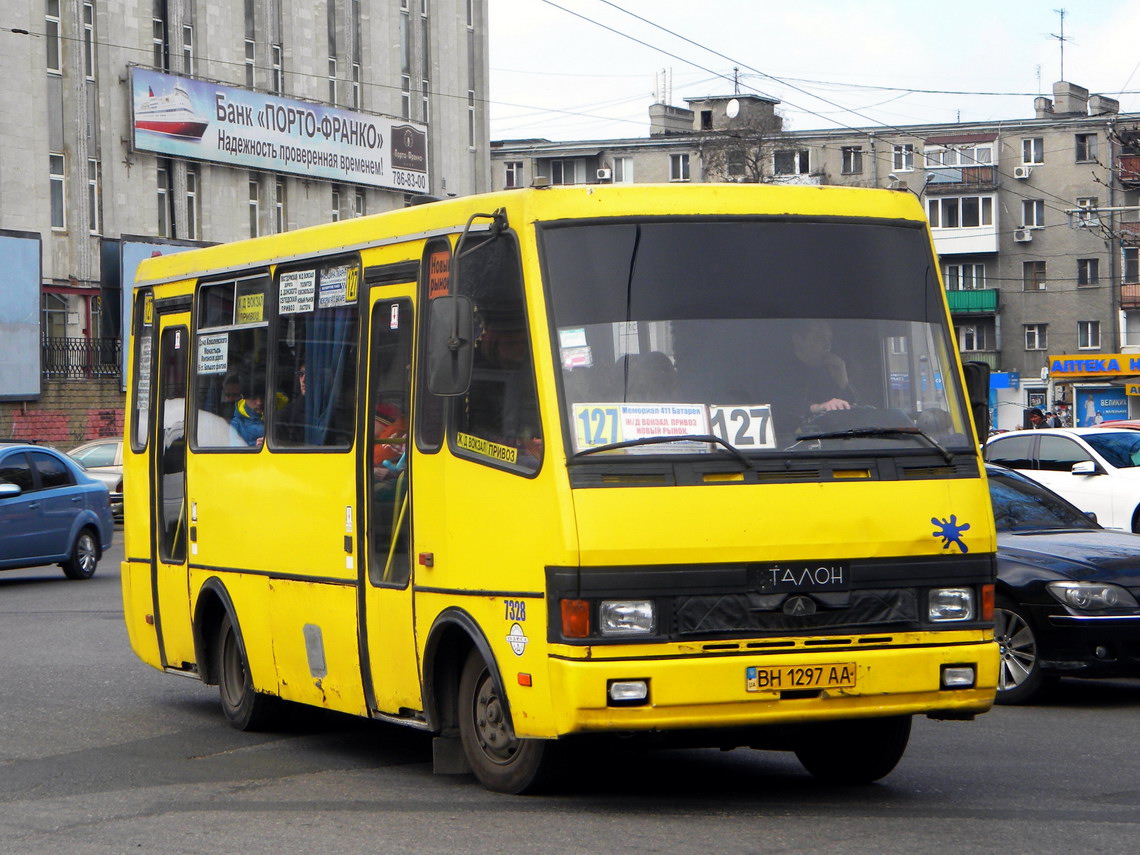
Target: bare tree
[741,151]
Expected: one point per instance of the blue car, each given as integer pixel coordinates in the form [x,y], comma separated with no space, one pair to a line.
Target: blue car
[51,512]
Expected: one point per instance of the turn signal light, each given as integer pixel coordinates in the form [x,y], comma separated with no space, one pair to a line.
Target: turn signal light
[575,618]
[987,602]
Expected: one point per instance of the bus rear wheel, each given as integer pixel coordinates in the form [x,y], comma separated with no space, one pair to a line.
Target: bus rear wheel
[500,760]
[854,752]
[245,709]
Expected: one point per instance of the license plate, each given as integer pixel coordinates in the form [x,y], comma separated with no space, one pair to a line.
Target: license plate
[790,678]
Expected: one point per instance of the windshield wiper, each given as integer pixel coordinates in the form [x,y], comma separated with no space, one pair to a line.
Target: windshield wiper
[657,440]
[883,431]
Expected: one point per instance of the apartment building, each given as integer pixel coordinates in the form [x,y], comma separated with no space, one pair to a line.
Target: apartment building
[1035,220]
[142,126]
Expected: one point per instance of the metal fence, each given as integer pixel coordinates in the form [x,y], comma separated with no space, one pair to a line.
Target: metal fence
[80,358]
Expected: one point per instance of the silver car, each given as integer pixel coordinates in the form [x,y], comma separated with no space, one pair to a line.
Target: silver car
[102,459]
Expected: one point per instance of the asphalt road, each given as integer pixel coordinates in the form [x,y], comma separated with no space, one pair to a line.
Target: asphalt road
[102,754]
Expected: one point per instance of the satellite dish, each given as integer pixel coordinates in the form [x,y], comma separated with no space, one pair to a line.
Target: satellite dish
[732,109]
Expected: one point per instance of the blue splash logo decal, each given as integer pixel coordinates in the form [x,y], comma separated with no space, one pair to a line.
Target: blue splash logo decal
[950,532]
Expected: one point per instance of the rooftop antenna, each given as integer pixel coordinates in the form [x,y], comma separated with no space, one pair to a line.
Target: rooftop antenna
[1060,37]
[735,80]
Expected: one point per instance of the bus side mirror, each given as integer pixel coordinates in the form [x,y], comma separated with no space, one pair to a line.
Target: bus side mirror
[978,391]
[451,345]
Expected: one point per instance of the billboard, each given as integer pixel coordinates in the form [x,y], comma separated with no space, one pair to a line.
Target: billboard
[20,316]
[183,117]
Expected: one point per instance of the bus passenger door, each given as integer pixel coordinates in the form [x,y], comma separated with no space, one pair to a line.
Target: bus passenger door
[169,517]
[389,647]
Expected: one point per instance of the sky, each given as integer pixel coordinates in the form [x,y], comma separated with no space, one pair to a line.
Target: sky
[589,69]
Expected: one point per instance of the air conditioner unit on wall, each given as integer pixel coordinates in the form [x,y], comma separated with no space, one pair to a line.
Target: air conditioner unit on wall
[1022,172]
[1022,235]
[605,174]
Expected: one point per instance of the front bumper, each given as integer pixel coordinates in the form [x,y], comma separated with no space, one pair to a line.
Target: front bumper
[709,691]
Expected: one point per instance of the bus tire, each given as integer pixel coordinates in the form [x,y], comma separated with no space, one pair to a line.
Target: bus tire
[244,708]
[84,556]
[501,761]
[854,752]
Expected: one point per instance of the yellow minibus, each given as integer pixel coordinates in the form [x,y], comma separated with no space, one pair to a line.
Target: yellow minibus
[688,463]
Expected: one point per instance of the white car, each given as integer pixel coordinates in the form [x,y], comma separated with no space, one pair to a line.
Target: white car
[1095,468]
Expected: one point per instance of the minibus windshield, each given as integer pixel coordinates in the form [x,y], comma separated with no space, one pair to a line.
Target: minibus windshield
[777,336]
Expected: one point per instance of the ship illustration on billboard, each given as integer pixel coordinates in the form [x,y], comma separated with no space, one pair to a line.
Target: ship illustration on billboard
[171,114]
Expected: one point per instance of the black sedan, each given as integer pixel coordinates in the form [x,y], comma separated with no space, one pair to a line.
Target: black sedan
[1067,591]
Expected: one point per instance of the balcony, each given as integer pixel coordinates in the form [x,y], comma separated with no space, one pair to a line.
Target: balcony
[1129,233]
[992,358]
[1130,296]
[1128,168]
[958,179]
[80,358]
[983,301]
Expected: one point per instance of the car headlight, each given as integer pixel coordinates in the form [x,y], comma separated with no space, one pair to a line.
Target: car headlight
[1091,596]
[950,604]
[626,617]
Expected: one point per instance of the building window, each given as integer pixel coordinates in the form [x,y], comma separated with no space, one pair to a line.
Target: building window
[903,158]
[514,173]
[1131,264]
[1085,145]
[1087,215]
[852,159]
[250,56]
[192,202]
[623,170]
[188,49]
[166,224]
[356,86]
[279,212]
[93,224]
[425,99]
[334,213]
[254,205]
[1088,271]
[332,80]
[470,14]
[1035,338]
[56,166]
[1033,213]
[165,190]
[972,337]
[1088,335]
[89,40]
[1033,150]
[53,37]
[960,212]
[358,204]
[563,172]
[793,162]
[161,58]
[965,277]
[1033,275]
[406,97]
[471,118]
[278,82]
[678,167]
[967,156]
[54,310]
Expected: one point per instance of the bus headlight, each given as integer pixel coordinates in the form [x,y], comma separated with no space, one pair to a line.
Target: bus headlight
[626,617]
[1091,596]
[950,604]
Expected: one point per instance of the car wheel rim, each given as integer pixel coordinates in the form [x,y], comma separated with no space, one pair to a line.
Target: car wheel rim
[86,553]
[494,736]
[1017,646]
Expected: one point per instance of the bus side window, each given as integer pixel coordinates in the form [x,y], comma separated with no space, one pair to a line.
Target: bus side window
[502,403]
[315,359]
[230,393]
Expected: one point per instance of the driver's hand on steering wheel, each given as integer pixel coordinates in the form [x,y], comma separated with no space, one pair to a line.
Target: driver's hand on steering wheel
[828,406]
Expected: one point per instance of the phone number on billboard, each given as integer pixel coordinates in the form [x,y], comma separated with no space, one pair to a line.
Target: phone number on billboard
[412,180]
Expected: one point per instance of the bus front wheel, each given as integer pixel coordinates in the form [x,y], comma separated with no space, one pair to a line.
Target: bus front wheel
[501,761]
[854,752]
[245,708]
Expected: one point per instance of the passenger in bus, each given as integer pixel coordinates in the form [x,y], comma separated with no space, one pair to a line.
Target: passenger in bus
[249,419]
[503,401]
[390,433]
[231,393]
[291,419]
[649,377]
